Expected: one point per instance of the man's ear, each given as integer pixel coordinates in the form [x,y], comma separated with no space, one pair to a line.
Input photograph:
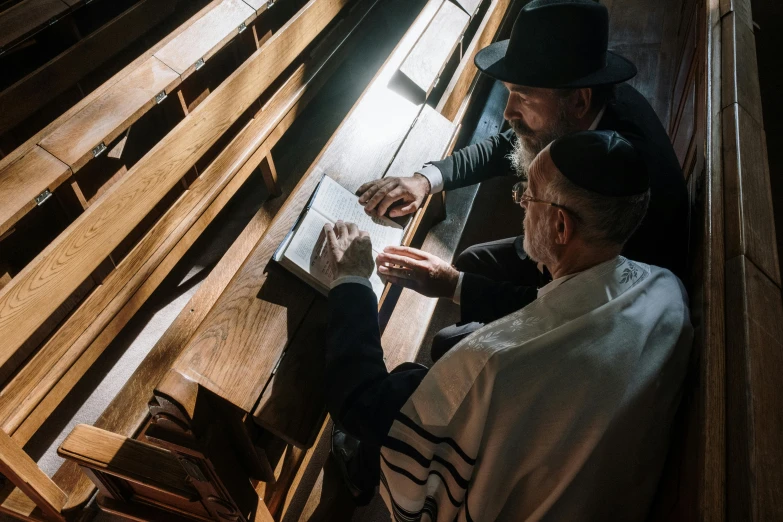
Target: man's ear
[582,100]
[565,227]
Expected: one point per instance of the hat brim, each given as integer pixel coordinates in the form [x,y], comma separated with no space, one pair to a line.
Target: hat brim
[492,61]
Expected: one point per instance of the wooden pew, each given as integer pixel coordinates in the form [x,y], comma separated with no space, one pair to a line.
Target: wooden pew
[41,384]
[37,88]
[725,461]
[401,154]
[88,130]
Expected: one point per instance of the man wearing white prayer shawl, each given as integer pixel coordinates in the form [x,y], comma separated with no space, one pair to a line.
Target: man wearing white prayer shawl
[560,411]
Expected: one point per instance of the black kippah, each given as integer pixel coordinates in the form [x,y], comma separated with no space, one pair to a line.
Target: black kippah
[602,162]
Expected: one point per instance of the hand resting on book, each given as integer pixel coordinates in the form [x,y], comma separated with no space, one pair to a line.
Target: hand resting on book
[350,250]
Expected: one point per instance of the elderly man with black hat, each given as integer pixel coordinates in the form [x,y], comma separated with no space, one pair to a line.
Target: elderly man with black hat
[560,79]
[558,411]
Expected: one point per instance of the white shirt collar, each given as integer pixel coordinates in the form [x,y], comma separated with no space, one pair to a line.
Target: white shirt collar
[597,119]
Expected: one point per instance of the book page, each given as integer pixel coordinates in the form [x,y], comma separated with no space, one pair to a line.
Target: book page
[337,203]
[308,248]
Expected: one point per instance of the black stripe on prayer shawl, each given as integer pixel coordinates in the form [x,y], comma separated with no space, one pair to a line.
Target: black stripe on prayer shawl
[421,432]
[400,514]
[421,482]
[403,515]
[406,449]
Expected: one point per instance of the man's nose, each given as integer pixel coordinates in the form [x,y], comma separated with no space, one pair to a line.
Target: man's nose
[512,109]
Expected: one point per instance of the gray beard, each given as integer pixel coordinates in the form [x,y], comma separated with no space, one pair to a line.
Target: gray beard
[528,145]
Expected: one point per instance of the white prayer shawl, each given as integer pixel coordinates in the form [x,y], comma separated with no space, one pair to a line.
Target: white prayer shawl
[560,411]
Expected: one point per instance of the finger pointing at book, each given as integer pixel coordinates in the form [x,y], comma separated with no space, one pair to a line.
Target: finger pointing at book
[350,249]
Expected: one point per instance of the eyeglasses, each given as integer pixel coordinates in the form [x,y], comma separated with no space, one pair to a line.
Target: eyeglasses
[518,192]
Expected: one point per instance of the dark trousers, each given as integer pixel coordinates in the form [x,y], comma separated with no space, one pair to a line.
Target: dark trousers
[505,261]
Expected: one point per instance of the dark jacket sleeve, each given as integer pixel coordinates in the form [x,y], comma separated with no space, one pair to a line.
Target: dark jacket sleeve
[483,300]
[475,163]
[360,393]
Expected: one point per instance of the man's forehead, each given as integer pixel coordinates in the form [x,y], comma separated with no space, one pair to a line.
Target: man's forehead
[528,91]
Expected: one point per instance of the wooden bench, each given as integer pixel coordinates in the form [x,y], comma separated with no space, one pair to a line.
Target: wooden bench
[213,398]
[90,130]
[36,89]
[39,385]
[726,460]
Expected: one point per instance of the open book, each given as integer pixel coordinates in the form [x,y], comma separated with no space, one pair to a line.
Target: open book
[303,252]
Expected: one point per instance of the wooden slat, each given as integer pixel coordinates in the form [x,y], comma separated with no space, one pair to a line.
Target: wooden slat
[740,78]
[294,412]
[469,6]
[247,330]
[428,139]
[127,458]
[28,145]
[466,73]
[206,36]
[754,418]
[23,98]
[18,191]
[260,5]
[27,17]
[111,114]
[52,275]
[105,311]
[428,57]
[750,225]
[19,468]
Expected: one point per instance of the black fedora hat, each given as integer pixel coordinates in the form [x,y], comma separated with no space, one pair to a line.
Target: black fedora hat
[557,44]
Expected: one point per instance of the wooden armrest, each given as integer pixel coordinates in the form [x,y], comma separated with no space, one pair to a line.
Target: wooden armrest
[127,458]
[19,468]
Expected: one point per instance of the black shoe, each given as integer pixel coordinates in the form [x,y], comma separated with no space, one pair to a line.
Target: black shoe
[346,454]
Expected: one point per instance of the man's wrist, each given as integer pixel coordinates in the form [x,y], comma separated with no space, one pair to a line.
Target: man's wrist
[433,175]
[351,278]
[425,178]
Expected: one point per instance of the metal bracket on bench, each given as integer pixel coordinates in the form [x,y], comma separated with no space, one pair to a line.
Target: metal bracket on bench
[242,28]
[270,3]
[42,197]
[160,97]
[199,63]
[98,150]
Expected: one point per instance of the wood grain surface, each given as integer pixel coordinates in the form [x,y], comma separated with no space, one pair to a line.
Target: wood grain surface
[18,190]
[127,458]
[33,141]
[205,36]
[107,310]
[26,17]
[466,73]
[750,225]
[110,115]
[246,332]
[32,92]
[88,331]
[49,279]
[428,58]
[20,469]
[740,80]
[754,418]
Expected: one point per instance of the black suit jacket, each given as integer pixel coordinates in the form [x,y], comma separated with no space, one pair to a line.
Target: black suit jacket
[361,395]
[661,239]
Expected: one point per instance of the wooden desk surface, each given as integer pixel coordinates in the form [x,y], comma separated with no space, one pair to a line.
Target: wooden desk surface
[237,346]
